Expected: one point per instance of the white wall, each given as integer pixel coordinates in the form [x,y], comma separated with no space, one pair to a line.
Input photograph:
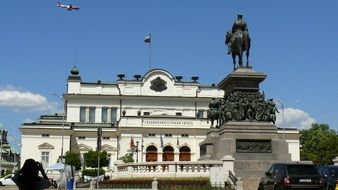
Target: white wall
[30,149]
[294,149]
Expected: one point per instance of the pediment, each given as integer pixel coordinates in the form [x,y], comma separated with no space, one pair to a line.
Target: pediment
[107,148]
[83,147]
[45,146]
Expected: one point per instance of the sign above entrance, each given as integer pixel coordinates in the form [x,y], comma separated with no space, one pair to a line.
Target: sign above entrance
[173,123]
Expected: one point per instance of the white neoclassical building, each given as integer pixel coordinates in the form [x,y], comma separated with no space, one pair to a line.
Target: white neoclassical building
[162,115]
[157,117]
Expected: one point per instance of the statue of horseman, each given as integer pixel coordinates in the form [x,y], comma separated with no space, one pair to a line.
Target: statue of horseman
[238,42]
[213,114]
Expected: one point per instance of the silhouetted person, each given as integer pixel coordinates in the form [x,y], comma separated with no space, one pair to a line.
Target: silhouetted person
[27,178]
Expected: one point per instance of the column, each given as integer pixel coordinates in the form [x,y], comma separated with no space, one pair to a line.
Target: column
[87,115]
[108,115]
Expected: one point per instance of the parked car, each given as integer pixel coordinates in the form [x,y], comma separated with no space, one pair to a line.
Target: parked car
[7,180]
[291,175]
[329,176]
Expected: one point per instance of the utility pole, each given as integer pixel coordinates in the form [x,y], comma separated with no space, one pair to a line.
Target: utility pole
[282,105]
[99,134]
[63,123]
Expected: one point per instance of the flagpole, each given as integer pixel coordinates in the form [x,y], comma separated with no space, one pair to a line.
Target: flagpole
[148,40]
[150,52]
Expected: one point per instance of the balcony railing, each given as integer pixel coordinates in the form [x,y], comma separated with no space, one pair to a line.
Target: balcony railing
[167,169]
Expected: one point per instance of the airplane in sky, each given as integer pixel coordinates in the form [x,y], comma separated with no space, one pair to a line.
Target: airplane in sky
[69,7]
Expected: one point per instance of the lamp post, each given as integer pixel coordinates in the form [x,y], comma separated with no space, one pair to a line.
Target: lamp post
[63,123]
[282,105]
[142,147]
[137,151]
[1,149]
[15,151]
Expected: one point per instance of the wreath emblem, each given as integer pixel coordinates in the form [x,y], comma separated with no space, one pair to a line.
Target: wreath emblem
[158,84]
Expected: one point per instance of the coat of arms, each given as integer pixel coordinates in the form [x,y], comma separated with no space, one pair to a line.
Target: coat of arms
[158,84]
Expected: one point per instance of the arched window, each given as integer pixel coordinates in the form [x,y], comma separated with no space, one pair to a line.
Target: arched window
[185,153]
[168,153]
[151,155]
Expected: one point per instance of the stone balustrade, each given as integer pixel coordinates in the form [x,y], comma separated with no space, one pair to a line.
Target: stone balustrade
[216,170]
[166,169]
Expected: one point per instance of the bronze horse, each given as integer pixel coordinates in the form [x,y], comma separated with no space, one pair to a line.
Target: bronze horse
[237,43]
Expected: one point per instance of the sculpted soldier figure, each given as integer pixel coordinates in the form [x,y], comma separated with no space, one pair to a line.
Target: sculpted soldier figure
[213,112]
[241,25]
[238,41]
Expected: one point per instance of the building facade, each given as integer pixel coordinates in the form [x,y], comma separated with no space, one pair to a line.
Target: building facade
[156,117]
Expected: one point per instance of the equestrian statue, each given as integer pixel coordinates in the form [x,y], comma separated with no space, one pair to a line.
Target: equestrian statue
[238,42]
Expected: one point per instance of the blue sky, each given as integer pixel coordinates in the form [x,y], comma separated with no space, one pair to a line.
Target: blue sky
[293,42]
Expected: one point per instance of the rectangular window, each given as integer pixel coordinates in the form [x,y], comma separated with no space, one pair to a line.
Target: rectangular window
[45,159]
[168,135]
[151,135]
[45,135]
[178,113]
[106,138]
[82,114]
[82,137]
[113,115]
[200,114]
[92,114]
[184,135]
[104,115]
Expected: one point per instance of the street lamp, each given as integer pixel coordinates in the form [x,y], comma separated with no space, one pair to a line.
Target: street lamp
[142,147]
[282,105]
[1,149]
[63,123]
[137,151]
[15,151]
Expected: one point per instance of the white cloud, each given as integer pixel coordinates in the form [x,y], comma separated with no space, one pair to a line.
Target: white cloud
[25,101]
[294,118]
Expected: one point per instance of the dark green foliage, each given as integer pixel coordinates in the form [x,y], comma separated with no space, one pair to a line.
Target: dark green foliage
[127,158]
[319,144]
[92,172]
[73,159]
[92,156]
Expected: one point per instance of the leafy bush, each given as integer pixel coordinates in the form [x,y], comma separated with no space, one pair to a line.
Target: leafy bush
[127,158]
[91,159]
[73,159]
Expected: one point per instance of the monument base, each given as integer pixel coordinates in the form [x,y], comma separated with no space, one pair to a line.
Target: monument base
[245,141]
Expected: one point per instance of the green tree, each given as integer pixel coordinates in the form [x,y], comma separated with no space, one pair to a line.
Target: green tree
[73,159]
[319,144]
[92,156]
[127,158]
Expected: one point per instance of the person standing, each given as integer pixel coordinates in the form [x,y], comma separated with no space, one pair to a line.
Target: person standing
[27,178]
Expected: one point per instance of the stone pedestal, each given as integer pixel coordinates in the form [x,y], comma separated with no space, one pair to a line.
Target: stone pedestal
[245,141]
[250,137]
[242,79]
[244,137]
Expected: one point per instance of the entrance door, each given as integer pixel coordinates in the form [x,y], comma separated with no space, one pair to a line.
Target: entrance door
[151,155]
[168,153]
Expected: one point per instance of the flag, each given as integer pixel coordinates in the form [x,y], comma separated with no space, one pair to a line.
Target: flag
[177,142]
[147,39]
[161,141]
[132,142]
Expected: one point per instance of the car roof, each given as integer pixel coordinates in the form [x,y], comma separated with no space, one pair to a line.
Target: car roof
[296,163]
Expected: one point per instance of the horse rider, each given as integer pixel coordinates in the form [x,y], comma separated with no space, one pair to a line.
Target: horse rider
[239,25]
